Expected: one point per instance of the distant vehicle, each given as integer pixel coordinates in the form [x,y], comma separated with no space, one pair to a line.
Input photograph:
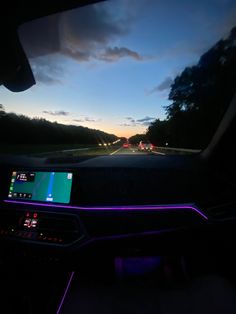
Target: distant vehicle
[126,145]
[145,146]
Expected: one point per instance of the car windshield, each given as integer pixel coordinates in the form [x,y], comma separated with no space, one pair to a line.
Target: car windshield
[123,72]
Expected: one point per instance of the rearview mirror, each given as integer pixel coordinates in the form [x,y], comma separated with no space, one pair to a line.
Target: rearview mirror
[15,70]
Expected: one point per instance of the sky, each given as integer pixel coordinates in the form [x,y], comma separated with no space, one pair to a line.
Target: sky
[110,66]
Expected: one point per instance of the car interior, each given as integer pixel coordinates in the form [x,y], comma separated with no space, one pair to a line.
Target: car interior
[125,233]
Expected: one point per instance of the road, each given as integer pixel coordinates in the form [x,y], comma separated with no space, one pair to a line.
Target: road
[96,151]
[132,151]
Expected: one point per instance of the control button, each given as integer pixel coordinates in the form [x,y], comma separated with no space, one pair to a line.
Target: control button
[34,223]
[27,222]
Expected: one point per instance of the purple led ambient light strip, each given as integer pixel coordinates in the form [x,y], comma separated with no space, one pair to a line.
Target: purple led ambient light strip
[118,208]
[65,292]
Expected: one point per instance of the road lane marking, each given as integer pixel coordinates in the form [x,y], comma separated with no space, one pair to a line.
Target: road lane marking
[158,153]
[116,151]
[75,149]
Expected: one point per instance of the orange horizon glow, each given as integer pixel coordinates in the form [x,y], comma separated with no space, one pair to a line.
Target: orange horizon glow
[125,133]
[118,131]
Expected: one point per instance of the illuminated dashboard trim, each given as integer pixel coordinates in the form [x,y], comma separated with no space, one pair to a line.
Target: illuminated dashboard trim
[65,292]
[119,208]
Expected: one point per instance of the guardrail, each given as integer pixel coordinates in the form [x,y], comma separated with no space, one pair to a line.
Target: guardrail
[177,150]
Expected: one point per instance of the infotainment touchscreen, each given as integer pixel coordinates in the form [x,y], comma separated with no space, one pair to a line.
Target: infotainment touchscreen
[52,187]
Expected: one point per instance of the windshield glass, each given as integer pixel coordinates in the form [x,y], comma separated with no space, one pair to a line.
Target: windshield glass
[117,74]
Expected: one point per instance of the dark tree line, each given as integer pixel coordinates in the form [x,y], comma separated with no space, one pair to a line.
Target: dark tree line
[135,139]
[19,129]
[199,95]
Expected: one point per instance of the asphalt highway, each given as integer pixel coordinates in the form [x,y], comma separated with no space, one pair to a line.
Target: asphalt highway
[132,151]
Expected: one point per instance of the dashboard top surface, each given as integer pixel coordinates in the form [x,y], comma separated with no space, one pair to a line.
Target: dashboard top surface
[126,161]
[132,180]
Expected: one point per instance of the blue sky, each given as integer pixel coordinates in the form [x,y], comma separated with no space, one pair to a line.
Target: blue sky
[109,66]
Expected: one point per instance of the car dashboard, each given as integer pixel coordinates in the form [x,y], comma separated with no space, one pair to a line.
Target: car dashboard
[126,205]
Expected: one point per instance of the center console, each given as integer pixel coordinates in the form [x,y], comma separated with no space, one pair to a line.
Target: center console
[28,214]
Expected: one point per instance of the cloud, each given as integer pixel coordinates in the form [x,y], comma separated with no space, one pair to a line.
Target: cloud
[146,119]
[45,78]
[126,124]
[82,34]
[116,53]
[91,26]
[147,123]
[56,113]
[78,120]
[132,120]
[86,119]
[41,36]
[47,70]
[163,86]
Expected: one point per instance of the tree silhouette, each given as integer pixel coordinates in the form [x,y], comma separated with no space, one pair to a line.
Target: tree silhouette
[200,95]
[135,139]
[19,129]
